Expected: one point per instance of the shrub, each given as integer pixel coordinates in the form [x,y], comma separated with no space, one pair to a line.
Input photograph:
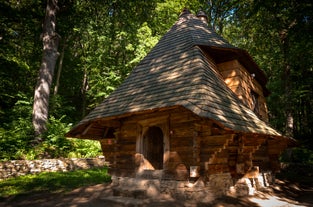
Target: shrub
[16,136]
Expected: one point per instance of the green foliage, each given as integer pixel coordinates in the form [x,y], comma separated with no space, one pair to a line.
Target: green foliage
[53,181]
[85,148]
[219,13]
[299,155]
[16,137]
[60,108]
[56,145]
[298,165]
[146,42]
[16,134]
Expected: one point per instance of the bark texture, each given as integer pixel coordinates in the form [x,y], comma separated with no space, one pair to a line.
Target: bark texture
[49,57]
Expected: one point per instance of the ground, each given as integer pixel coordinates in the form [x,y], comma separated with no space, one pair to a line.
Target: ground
[282,194]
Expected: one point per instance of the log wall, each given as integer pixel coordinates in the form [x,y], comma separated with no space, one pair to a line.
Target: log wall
[177,125]
[188,141]
[243,84]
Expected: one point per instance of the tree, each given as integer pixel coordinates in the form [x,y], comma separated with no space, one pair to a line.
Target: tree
[219,12]
[50,41]
[279,36]
[19,24]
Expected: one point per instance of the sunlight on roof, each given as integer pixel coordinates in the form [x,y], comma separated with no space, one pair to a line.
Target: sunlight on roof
[171,76]
[218,41]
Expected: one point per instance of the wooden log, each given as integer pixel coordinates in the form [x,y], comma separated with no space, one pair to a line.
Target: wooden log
[181,142]
[217,140]
[217,168]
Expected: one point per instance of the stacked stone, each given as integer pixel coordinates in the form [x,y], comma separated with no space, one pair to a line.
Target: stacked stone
[14,168]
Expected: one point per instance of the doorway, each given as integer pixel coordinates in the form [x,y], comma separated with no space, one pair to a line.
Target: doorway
[153,147]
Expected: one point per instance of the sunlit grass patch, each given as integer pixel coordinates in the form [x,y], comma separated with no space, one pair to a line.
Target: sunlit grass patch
[53,181]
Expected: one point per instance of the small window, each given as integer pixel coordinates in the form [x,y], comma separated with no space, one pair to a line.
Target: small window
[255,103]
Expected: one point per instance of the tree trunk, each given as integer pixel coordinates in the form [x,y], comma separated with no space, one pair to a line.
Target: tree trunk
[57,82]
[289,125]
[289,116]
[84,90]
[49,57]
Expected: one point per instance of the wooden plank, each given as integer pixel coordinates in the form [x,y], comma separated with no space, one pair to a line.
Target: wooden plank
[205,133]
[220,160]
[181,134]
[181,142]
[147,118]
[216,140]
[183,124]
[257,87]
[231,72]
[128,138]
[86,129]
[217,168]
[107,123]
[128,147]
[153,120]
[210,150]
[181,149]
[187,156]
[93,132]
[107,142]
[128,126]
[182,117]
[123,153]
[228,65]
[249,149]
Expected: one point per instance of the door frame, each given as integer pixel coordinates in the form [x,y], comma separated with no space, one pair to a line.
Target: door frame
[153,149]
[142,127]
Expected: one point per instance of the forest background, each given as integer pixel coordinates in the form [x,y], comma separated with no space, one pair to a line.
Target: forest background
[101,41]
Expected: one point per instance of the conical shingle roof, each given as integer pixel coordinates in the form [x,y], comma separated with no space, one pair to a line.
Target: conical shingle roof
[177,73]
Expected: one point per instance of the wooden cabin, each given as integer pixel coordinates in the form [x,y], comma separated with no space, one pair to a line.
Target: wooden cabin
[193,107]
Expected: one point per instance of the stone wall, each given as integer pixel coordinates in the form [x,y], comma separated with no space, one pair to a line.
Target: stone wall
[250,185]
[15,168]
[204,190]
[152,188]
[220,183]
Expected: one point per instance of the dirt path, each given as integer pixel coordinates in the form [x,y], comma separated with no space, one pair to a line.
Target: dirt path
[281,195]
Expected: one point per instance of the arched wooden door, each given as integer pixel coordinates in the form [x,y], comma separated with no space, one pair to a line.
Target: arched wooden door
[153,147]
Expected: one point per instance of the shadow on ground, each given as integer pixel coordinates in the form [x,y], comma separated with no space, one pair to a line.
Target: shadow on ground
[282,194]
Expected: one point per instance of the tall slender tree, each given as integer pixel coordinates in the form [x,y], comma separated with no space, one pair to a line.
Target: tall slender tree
[50,41]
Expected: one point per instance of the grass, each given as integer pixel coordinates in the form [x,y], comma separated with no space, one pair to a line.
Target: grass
[53,181]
